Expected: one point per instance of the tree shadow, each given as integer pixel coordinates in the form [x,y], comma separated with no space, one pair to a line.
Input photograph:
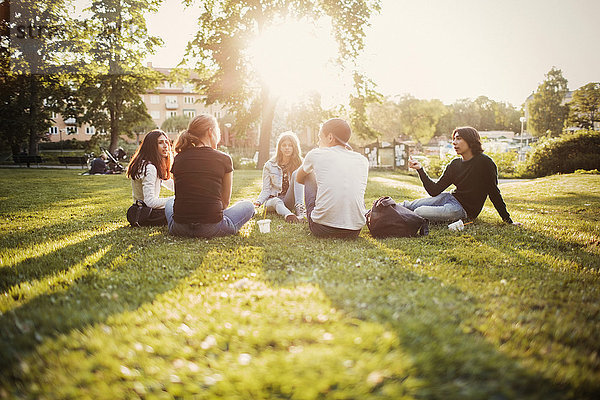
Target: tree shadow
[374,281]
[122,280]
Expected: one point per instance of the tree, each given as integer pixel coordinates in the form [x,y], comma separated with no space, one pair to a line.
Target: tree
[225,32]
[584,108]
[384,117]
[487,113]
[483,114]
[547,111]
[420,117]
[305,114]
[33,84]
[466,113]
[175,124]
[114,77]
[507,117]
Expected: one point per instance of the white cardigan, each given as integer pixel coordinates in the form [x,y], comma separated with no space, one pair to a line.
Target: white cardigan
[147,188]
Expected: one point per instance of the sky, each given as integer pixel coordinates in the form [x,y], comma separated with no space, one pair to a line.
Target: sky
[452,49]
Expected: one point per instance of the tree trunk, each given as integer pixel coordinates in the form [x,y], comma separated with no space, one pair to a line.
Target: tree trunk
[33,116]
[115,115]
[266,126]
[114,131]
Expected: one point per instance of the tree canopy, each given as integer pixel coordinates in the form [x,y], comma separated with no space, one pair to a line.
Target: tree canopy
[423,119]
[584,108]
[113,76]
[547,111]
[175,124]
[33,87]
[220,53]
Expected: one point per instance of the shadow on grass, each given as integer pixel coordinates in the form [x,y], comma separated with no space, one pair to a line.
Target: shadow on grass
[55,259]
[434,320]
[57,188]
[541,308]
[395,283]
[130,273]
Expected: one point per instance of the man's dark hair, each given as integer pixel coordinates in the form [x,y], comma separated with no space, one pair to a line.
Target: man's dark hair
[471,136]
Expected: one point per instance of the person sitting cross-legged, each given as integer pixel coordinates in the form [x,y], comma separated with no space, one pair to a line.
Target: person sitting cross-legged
[281,192]
[475,176]
[203,179]
[335,179]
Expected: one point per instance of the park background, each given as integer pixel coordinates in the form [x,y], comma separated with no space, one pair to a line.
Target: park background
[93,308]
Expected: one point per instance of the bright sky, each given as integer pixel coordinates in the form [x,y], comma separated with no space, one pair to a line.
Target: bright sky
[453,49]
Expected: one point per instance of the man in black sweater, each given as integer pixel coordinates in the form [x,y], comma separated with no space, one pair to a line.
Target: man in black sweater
[475,177]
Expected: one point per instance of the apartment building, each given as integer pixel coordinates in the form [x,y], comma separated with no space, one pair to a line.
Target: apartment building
[166,100]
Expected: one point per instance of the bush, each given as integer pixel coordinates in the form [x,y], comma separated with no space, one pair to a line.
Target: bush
[243,162]
[564,154]
[72,144]
[506,163]
[436,165]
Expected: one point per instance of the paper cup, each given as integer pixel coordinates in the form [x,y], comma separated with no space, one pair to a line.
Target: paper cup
[457,226]
[264,225]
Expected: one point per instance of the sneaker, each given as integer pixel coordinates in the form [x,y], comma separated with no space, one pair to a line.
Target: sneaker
[291,219]
[301,212]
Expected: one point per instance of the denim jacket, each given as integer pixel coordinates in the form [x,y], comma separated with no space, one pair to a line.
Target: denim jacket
[272,181]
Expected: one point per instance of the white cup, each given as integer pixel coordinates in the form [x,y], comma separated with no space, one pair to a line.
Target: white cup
[264,225]
[457,226]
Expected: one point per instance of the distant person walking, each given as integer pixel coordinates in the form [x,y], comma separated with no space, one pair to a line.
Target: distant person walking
[475,176]
[203,181]
[149,170]
[281,192]
[335,180]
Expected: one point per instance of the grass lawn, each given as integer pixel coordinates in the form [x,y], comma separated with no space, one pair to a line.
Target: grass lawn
[91,308]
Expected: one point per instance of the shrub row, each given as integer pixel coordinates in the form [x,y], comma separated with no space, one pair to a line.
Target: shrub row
[564,154]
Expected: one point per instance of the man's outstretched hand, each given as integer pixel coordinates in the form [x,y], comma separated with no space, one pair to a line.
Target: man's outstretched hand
[414,164]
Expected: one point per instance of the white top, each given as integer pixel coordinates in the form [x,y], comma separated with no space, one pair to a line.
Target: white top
[341,176]
[147,188]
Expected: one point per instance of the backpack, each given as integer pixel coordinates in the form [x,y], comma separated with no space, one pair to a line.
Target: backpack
[386,218]
[139,214]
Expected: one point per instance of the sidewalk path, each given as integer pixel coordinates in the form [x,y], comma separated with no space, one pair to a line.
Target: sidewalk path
[24,166]
[512,180]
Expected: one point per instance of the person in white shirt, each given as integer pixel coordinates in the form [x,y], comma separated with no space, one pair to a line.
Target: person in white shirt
[149,169]
[335,180]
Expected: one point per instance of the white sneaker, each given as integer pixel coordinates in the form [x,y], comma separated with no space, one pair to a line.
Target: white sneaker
[301,212]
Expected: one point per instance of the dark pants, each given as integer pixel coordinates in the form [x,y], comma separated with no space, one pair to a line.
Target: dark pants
[319,230]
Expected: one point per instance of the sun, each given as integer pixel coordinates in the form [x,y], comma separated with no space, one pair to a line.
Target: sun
[297,57]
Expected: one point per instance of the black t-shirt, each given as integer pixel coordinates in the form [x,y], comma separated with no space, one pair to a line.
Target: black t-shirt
[285,181]
[198,175]
[474,180]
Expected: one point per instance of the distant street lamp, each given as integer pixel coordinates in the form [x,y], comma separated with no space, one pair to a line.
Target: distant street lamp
[60,139]
[227,133]
[522,119]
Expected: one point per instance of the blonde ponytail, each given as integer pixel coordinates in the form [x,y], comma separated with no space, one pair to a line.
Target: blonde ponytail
[198,132]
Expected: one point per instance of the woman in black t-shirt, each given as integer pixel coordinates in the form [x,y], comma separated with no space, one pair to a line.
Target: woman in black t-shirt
[203,179]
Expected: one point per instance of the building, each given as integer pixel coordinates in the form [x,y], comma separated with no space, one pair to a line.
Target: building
[166,100]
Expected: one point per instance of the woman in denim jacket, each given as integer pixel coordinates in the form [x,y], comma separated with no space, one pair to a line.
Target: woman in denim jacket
[281,192]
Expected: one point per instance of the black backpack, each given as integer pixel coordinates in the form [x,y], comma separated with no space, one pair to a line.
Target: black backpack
[139,214]
[387,218]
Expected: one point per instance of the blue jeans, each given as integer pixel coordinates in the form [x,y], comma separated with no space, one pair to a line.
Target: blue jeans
[443,207]
[233,219]
[319,230]
[294,195]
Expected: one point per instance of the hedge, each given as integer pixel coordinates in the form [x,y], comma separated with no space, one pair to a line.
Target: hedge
[564,154]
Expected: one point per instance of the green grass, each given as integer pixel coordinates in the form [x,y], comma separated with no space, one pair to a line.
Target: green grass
[91,308]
